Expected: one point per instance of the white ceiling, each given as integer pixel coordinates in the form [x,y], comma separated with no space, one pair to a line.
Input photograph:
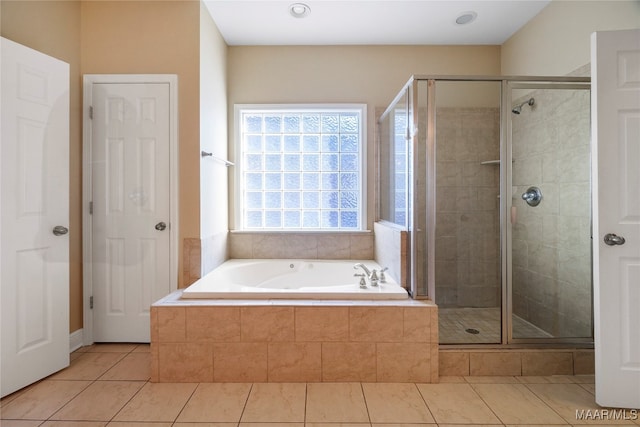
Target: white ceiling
[387,22]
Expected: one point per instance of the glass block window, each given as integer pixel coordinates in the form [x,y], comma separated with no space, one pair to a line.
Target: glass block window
[301,168]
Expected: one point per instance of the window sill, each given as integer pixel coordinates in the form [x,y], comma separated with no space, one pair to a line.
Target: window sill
[342,232]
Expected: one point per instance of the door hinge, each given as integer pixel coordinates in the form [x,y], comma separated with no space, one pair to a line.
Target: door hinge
[91,112]
[91,302]
[91,208]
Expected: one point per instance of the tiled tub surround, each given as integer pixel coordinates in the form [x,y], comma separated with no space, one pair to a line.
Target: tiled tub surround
[390,250]
[309,245]
[293,341]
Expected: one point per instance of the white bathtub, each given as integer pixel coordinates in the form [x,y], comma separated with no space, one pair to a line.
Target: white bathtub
[291,279]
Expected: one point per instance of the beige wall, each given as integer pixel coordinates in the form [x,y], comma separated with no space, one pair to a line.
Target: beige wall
[154,37]
[354,74]
[53,27]
[213,139]
[557,41]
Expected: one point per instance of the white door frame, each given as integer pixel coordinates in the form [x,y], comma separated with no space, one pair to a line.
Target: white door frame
[88,81]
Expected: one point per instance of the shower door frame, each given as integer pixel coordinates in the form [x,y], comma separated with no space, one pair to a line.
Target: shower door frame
[508,85]
[506,282]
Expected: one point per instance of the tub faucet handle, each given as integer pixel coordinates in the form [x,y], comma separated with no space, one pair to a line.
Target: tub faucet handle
[383,278]
[374,278]
[363,282]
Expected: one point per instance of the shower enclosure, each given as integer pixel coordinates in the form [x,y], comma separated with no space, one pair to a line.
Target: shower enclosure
[490,177]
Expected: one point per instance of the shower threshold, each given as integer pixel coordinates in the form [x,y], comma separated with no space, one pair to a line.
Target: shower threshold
[480,326]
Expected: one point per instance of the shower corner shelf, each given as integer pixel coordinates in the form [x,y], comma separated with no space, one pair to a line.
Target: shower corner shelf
[490,162]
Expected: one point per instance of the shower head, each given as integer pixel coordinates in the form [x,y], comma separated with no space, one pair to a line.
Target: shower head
[518,108]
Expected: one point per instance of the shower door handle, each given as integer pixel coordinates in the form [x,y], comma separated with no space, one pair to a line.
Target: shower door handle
[613,239]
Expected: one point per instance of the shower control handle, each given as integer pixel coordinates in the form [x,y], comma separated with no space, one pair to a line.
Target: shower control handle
[533,196]
[60,230]
[613,239]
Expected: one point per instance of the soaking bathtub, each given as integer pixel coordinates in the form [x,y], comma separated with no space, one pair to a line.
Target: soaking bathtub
[291,279]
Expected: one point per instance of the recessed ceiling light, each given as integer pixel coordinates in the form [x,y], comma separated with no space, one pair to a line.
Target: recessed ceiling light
[466,18]
[299,10]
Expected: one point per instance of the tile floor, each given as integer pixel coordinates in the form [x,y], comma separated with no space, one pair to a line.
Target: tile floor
[107,385]
[453,323]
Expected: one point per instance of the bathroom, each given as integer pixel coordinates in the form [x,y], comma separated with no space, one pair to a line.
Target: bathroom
[214,77]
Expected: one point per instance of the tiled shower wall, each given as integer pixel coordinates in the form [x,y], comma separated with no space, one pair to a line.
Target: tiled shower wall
[467,207]
[552,242]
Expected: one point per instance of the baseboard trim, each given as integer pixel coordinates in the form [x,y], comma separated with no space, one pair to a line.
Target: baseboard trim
[75,340]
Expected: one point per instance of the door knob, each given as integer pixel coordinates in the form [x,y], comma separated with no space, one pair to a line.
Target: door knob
[60,230]
[613,240]
[161,226]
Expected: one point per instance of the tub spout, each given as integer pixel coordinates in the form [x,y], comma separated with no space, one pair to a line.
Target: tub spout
[364,267]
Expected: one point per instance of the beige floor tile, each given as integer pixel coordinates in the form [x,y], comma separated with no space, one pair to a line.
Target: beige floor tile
[456,403]
[43,400]
[73,356]
[566,399]
[157,402]
[550,379]
[89,366]
[111,348]
[205,425]
[475,425]
[133,367]
[405,425]
[19,423]
[216,402]
[131,424]
[99,402]
[336,402]
[275,402]
[337,424]
[271,424]
[142,348]
[74,424]
[452,380]
[491,380]
[584,379]
[391,402]
[516,404]
[591,388]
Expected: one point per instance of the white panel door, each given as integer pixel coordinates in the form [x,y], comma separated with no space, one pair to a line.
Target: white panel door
[615,73]
[34,186]
[131,207]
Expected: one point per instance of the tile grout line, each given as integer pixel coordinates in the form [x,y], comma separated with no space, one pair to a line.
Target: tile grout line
[364,397]
[306,396]
[546,404]
[91,382]
[425,402]
[175,420]
[127,402]
[246,402]
[486,403]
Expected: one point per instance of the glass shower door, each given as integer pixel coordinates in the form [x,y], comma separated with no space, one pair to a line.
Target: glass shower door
[467,232]
[550,212]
